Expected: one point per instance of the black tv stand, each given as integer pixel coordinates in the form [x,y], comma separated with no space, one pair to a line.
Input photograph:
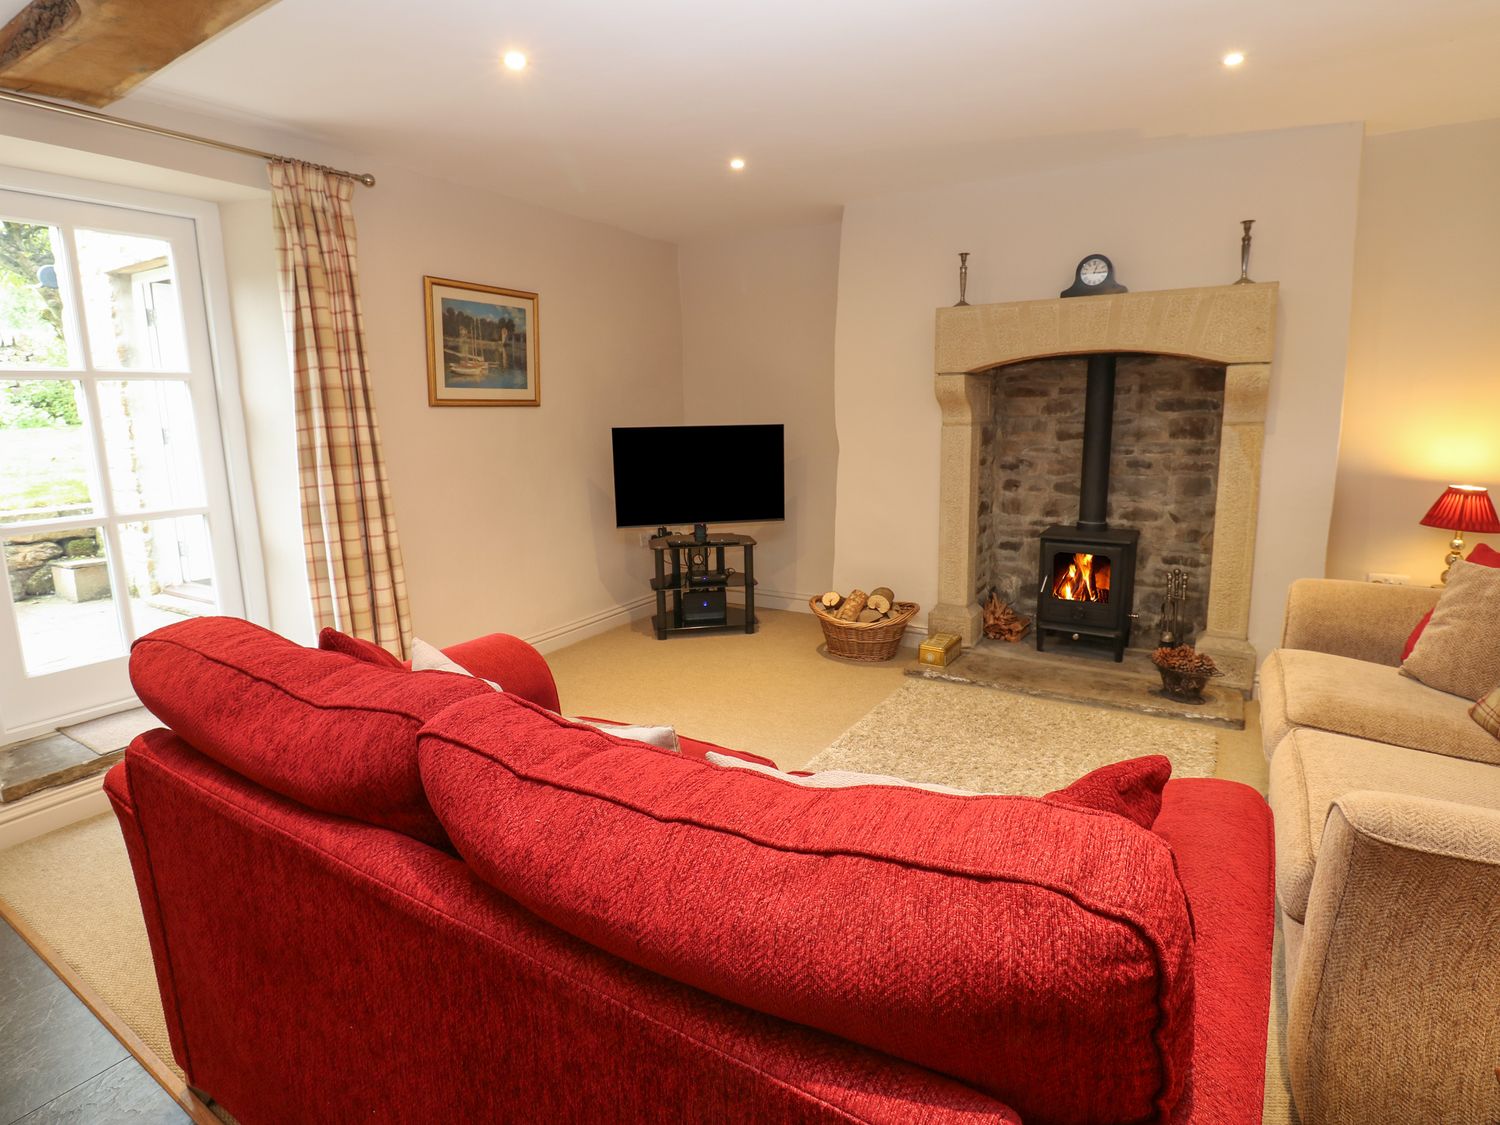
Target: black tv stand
[693,581]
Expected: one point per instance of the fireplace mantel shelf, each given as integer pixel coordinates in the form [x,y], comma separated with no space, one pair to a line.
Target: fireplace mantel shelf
[1220,324]
[1233,325]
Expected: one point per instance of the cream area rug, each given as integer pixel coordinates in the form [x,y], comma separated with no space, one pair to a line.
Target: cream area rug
[990,741]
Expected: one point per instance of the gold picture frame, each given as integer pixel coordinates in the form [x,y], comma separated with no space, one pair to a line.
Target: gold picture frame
[483,344]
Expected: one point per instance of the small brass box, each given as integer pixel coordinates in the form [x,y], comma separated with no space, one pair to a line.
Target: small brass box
[939,650]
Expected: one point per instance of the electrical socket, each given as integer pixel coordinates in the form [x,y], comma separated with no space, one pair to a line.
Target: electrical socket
[1390,579]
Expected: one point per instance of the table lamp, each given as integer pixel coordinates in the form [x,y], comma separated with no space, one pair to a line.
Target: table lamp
[1461,508]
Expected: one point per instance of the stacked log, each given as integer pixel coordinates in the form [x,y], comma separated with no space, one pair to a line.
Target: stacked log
[878,605]
[853,605]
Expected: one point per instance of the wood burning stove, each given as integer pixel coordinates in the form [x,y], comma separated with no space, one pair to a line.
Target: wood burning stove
[1086,577]
[1087,584]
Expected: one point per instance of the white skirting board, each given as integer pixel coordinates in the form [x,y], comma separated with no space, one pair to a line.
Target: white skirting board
[572,632]
[52,809]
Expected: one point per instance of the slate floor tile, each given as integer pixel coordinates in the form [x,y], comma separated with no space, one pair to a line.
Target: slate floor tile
[49,1042]
[123,1095]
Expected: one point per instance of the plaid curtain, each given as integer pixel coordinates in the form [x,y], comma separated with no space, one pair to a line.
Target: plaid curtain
[353,556]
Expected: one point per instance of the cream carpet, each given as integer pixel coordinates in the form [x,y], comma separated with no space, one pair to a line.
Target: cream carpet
[989,741]
[773,693]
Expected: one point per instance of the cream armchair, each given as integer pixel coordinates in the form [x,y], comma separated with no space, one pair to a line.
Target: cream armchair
[1386,796]
[1394,1010]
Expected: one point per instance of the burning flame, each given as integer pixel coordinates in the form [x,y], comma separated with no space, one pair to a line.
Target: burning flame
[1081,580]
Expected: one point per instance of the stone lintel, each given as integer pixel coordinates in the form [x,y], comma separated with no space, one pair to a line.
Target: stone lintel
[1229,324]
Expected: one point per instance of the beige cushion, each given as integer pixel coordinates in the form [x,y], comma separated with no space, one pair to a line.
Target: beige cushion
[662,737]
[1311,769]
[1355,697]
[1459,651]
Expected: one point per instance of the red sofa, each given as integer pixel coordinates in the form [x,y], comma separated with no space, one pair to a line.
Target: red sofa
[378,895]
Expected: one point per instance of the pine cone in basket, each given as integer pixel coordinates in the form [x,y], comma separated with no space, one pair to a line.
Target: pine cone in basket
[1186,660]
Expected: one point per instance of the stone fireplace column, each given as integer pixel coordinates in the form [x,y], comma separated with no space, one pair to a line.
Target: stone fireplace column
[1246,393]
[965,402]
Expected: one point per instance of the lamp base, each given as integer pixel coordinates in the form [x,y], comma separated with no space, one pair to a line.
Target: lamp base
[1455,552]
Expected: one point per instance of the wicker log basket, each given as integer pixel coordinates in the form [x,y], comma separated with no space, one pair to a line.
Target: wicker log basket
[873,640]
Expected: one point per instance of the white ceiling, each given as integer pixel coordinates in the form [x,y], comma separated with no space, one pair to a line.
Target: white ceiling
[631,108]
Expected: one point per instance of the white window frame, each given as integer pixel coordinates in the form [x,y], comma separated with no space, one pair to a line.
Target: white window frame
[214,278]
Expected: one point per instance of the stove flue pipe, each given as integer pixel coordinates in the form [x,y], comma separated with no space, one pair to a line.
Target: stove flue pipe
[1098,433]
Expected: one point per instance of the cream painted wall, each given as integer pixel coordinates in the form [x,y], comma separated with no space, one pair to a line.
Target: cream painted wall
[757,346]
[1422,396]
[1168,217]
[505,515]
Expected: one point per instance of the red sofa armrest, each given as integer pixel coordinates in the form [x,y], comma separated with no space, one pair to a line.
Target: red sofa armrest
[511,663]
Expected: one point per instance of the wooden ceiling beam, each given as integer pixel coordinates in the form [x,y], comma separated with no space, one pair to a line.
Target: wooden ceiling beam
[95,51]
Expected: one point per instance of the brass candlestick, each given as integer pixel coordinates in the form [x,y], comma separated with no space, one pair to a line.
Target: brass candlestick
[1245,253]
[963,278]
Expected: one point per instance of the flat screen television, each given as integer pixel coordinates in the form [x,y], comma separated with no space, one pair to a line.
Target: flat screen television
[698,474]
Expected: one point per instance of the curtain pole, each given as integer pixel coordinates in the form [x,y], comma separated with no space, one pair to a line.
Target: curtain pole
[90,115]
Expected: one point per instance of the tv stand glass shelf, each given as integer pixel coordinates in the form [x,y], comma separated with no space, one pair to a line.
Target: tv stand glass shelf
[693,580]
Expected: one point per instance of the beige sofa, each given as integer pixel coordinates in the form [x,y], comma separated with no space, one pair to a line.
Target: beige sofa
[1386,796]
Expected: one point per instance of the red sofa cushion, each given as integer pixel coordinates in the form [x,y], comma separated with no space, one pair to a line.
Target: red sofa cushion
[331,640]
[322,728]
[1041,953]
[1484,555]
[1131,789]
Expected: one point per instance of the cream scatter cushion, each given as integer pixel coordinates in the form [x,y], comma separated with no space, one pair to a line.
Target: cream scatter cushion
[430,658]
[662,737]
[1459,651]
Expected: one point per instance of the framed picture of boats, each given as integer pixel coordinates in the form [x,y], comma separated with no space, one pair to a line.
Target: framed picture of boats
[482,347]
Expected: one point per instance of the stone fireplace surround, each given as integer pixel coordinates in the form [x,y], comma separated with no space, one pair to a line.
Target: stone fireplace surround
[1233,325]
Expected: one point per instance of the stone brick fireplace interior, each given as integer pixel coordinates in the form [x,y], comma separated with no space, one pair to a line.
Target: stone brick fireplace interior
[1162,481]
[1192,380]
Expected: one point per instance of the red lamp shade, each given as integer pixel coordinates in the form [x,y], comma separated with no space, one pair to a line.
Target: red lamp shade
[1463,507]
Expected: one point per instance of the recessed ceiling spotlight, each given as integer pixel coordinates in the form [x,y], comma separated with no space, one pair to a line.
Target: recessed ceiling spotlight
[514,60]
[737,163]
[1234,58]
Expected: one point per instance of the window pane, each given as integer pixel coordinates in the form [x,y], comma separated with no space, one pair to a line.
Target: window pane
[65,610]
[152,445]
[44,451]
[170,569]
[31,304]
[130,302]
